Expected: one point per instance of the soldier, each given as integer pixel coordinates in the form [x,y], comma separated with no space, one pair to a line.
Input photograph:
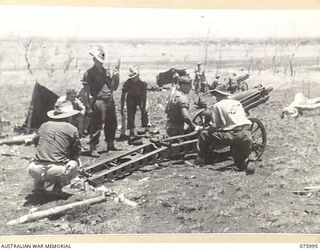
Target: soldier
[229,126]
[100,84]
[177,108]
[79,120]
[232,84]
[200,80]
[134,93]
[57,150]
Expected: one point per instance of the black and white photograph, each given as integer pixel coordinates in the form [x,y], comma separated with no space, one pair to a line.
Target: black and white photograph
[159,121]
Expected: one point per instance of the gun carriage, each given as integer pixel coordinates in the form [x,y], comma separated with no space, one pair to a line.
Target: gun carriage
[156,149]
[249,100]
[233,84]
[241,84]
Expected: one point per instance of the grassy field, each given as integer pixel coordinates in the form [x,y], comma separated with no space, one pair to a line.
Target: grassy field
[177,198]
[59,64]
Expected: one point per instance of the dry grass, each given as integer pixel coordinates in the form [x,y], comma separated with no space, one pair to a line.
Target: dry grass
[179,198]
[49,60]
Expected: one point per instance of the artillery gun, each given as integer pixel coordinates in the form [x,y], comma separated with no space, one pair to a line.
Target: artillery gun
[114,167]
[233,83]
[241,84]
[249,100]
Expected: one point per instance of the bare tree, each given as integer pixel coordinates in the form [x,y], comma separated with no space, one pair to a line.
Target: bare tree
[206,48]
[259,65]
[277,58]
[27,47]
[291,64]
[219,61]
[70,55]
[249,59]
[318,60]
[274,61]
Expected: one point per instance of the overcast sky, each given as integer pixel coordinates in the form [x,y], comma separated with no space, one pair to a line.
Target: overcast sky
[93,22]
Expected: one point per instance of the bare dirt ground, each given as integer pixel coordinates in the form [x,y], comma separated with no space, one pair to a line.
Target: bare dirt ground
[178,198]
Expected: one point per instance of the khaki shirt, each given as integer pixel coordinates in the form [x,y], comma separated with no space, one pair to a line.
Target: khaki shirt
[58,142]
[228,114]
[100,82]
[177,101]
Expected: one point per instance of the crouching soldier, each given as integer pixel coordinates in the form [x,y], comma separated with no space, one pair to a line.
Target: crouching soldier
[134,93]
[229,126]
[177,108]
[57,150]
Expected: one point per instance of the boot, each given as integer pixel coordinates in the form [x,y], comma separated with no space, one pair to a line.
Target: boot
[38,186]
[241,165]
[93,151]
[112,147]
[123,137]
[132,134]
[57,190]
[199,162]
[250,168]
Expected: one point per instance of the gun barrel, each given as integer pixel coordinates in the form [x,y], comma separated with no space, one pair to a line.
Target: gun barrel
[245,95]
[242,78]
[253,96]
[256,103]
[251,99]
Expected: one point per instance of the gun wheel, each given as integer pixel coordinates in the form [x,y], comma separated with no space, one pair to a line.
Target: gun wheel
[243,86]
[259,139]
[202,118]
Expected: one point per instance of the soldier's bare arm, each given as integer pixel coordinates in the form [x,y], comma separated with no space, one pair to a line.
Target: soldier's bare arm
[187,119]
[86,98]
[122,101]
[115,80]
[75,147]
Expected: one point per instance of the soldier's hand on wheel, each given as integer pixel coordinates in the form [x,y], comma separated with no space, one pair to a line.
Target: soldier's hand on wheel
[197,128]
[212,128]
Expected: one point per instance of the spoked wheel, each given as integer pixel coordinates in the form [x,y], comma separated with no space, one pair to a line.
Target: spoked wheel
[243,86]
[259,139]
[202,118]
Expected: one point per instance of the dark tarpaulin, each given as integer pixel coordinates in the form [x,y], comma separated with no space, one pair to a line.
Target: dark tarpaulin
[166,77]
[42,101]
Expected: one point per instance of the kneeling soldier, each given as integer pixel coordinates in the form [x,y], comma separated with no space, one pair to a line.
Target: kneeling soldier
[229,127]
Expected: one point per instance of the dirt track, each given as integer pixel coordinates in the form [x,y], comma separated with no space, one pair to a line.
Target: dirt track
[177,198]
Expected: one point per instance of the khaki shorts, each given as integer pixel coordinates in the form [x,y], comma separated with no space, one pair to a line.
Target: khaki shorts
[54,172]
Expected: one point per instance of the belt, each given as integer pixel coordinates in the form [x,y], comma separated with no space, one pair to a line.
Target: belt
[48,162]
[105,98]
[242,127]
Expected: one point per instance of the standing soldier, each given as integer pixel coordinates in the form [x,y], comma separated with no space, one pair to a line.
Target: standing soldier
[178,108]
[200,80]
[134,93]
[100,84]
